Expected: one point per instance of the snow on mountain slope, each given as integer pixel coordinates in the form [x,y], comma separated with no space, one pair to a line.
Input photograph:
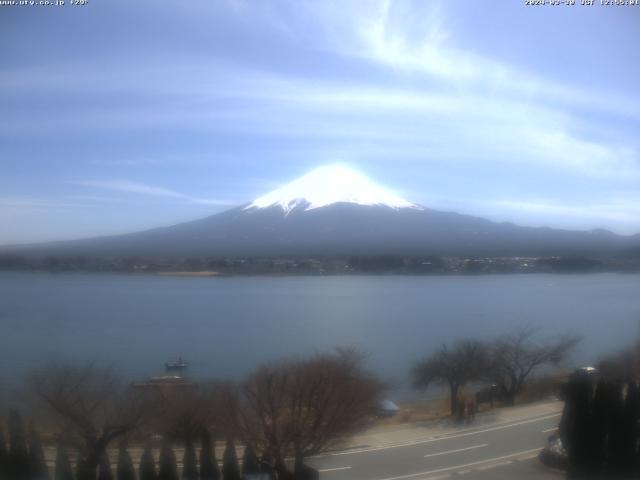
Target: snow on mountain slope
[328,185]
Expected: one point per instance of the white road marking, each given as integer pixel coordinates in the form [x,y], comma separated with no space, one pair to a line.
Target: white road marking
[411,425]
[466,465]
[456,450]
[437,439]
[550,430]
[325,470]
[494,465]
[527,457]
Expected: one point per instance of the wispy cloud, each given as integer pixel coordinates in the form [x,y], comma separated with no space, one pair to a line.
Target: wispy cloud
[144,189]
[39,203]
[384,35]
[268,89]
[467,122]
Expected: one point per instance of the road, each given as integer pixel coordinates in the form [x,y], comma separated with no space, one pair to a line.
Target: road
[495,450]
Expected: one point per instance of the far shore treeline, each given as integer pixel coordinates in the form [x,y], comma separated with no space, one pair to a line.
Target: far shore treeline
[298,265]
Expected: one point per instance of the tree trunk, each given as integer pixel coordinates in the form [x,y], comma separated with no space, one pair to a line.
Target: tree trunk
[302,471]
[454,398]
[281,469]
[513,387]
[89,467]
[298,472]
[510,397]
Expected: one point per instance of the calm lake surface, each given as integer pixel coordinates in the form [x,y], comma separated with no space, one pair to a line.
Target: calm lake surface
[225,326]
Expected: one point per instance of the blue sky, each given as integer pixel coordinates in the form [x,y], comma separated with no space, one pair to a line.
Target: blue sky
[120,115]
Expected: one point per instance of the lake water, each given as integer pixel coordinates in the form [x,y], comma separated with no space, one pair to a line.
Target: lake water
[226,326]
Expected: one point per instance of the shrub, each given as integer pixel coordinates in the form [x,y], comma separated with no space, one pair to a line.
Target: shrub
[189,462]
[63,465]
[168,467]
[230,468]
[18,460]
[125,469]
[4,455]
[250,463]
[104,468]
[147,468]
[37,465]
[209,469]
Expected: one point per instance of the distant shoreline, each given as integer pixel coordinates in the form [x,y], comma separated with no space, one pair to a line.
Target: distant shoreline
[215,274]
[208,273]
[323,266]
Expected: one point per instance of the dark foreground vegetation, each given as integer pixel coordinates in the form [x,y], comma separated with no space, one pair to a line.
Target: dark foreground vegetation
[94,426]
[424,265]
[599,429]
[280,415]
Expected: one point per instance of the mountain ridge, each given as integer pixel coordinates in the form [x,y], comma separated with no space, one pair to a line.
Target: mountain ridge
[335,211]
[342,229]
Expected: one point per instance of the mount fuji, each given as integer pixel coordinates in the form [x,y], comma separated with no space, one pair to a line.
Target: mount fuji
[335,211]
[326,186]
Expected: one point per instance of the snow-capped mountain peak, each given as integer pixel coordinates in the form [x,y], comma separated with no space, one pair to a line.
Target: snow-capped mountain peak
[328,185]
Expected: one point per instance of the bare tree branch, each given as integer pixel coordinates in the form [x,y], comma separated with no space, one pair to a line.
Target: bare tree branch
[90,407]
[304,406]
[516,356]
[453,367]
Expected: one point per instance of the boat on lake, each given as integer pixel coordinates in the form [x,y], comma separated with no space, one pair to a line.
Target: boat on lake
[178,364]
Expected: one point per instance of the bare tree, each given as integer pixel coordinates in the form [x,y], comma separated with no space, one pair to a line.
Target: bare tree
[89,407]
[516,356]
[182,414]
[303,407]
[257,411]
[452,367]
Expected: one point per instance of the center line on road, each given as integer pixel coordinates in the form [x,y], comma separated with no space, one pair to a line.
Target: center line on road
[438,438]
[466,465]
[494,465]
[456,450]
[550,430]
[325,470]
